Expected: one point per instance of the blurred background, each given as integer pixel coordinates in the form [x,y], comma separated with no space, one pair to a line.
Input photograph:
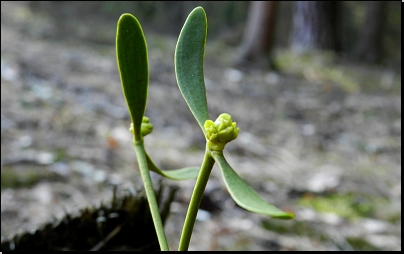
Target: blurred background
[315,88]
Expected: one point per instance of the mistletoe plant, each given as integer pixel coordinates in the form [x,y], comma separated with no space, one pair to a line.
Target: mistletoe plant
[189,54]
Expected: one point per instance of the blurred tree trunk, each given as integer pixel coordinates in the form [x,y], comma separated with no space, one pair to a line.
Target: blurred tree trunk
[369,47]
[314,26]
[258,36]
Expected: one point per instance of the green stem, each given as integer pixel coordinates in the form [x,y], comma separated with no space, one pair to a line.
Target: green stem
[151,197]
[195,202]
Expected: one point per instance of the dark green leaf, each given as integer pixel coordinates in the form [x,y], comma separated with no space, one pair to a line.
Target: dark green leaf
[189,55]
[243,194]
[175,174]
[131,51]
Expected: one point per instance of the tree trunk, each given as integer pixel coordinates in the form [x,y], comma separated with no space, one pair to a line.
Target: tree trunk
[314,26]
[258,37]
[370,47]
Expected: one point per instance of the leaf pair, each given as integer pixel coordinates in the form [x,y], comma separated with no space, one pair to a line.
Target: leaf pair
[189,55]
[131,53]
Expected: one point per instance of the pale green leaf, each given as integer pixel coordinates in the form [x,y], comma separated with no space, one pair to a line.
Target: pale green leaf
[189,55]
[175,174]
[243,194]
[131,51]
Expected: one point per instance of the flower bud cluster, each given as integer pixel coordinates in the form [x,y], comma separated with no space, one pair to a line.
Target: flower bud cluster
[220,132]
[145,128]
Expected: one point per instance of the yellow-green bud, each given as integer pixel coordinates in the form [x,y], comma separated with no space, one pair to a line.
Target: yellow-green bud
[145,128]
[220,132]
[131,129]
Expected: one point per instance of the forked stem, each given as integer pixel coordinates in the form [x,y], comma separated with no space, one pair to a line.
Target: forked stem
[151,197]
[196,198]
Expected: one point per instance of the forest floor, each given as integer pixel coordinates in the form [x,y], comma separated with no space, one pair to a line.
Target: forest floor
[320,137]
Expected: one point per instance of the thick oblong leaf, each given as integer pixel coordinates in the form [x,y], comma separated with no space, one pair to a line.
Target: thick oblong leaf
[189,55]
[131,52]
[243,194]
[175,174]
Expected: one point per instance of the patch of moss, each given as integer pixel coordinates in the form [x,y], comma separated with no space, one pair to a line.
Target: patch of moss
[350,206]
[301,228]
[275,227]
[13,178]
[297,227]
[361,244]
[61,154]
[323,67]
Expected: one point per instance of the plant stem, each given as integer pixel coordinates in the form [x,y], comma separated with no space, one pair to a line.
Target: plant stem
[195,202]
[151,197]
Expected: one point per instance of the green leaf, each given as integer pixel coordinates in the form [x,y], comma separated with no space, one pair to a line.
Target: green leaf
[176,174]
[189,55]
[243,194]
[131,51]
